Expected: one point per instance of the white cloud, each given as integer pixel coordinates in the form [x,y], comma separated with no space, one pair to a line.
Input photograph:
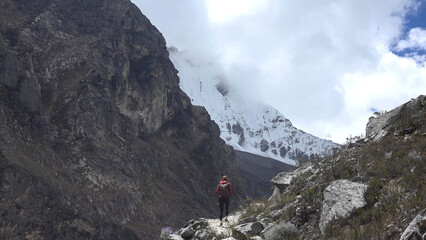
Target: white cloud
[323,64]
[416,39]
[221,11]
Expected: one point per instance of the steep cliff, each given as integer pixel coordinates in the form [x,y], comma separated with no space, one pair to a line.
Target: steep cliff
[96,138]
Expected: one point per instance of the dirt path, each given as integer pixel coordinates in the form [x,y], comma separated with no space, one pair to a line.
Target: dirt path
[225,229]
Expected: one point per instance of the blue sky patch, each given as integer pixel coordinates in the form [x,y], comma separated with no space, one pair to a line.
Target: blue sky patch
[414,19]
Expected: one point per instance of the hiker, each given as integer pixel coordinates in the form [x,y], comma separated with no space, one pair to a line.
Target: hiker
[224,191]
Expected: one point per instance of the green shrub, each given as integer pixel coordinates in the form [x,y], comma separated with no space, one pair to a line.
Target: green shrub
[282,231]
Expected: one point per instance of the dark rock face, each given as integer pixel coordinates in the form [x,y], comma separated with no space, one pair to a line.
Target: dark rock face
[97,140]
[237,129]
[264,145]
[283,152]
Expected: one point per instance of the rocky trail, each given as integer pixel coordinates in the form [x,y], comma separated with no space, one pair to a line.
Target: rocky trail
[223,229]
[202,228]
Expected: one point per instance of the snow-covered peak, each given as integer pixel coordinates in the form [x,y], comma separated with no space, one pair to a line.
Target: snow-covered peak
[245,124]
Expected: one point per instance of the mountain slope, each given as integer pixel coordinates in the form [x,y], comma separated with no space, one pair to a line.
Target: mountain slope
[373,189]
[245,124]
[97,140]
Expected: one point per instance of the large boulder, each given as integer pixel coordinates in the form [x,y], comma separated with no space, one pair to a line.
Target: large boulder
[341,197]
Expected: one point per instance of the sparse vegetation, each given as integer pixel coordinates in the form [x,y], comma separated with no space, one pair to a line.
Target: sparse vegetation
[283,231]
[255,207]
[395,171]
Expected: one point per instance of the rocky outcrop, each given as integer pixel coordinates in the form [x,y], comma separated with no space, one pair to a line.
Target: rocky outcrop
[284,179]
[97,139]
[394,121]
[341,197]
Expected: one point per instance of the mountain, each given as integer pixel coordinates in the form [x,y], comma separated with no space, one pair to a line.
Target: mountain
[371,189]
[97,140]
[245,124]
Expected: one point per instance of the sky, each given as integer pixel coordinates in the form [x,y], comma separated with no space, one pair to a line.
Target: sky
[327,65]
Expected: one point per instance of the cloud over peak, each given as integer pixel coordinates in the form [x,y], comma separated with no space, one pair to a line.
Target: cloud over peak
[323,64]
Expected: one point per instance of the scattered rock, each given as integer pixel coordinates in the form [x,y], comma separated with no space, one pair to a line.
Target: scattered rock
[201,234]
[248,229]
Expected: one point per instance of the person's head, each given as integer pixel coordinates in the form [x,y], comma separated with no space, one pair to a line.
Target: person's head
[225,178]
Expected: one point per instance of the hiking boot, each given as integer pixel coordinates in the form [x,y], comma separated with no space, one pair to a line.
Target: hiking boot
[220,223]
[226,220]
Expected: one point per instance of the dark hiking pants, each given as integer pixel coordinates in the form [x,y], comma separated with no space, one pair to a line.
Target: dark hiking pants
[223,201]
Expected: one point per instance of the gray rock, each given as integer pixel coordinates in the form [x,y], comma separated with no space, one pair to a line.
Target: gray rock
[283,180]
[201,235]
[341,197]
[249,229]
[275,197]
[187,232]
[417,227]
[265,222]
[248,220]
[175,237]
[200,224]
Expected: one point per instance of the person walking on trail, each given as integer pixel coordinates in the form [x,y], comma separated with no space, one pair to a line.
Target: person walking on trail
[224,191]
